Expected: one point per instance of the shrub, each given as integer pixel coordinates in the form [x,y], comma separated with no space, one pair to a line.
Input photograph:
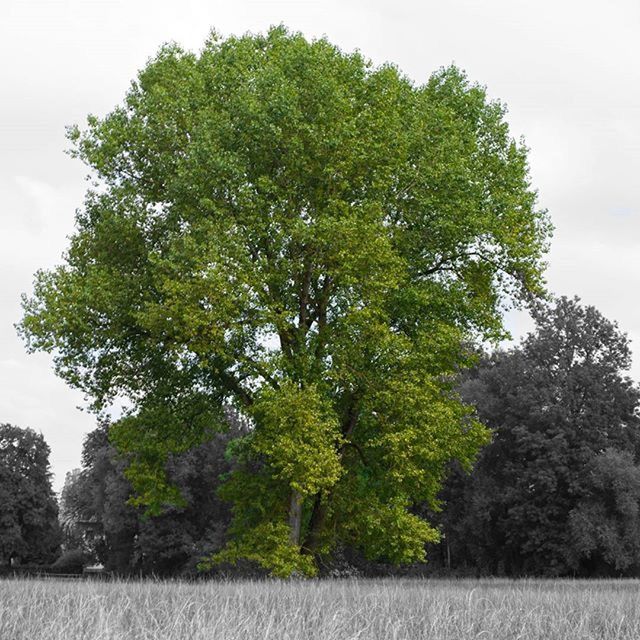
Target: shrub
[72,561]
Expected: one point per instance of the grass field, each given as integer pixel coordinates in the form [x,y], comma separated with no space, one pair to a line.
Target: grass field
[328,610]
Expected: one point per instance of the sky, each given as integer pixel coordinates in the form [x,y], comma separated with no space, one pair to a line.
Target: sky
[567,70]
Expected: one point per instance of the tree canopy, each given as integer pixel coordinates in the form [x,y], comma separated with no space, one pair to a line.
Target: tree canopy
[29,529]
[279,225]
[556,492]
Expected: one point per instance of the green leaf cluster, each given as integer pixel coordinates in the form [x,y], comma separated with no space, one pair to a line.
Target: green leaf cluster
[298,437]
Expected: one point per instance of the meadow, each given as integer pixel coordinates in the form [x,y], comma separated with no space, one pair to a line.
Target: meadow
[39,609]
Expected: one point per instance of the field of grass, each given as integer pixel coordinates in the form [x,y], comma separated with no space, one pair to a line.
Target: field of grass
[35,609]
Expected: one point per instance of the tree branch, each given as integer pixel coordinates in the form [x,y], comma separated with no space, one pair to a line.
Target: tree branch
[304,318]
[233,385]
[358,448]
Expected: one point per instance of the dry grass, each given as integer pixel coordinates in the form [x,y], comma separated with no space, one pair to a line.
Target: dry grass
[327,610]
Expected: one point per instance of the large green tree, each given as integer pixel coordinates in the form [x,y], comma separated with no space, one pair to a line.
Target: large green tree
[282,226]
[29,530]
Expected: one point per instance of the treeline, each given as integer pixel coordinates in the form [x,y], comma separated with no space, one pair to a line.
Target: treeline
[556,492]
[97,515]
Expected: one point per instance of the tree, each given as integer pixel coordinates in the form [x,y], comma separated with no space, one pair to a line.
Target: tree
[281,226]
[605,524]
[99,520]
[94,510]
[29,529]
[72,509]
[94,513]
[554,493]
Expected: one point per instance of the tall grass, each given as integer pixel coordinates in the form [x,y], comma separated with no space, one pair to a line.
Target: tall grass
[34,609]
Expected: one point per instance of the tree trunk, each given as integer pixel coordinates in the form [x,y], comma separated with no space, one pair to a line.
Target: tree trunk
[295,517]
[318,515]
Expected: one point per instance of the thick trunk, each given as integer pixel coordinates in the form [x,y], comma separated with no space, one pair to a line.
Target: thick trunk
[313,537]
[295,517]
[318,516]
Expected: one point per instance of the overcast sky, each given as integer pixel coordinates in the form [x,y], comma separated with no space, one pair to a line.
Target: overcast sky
[568,71]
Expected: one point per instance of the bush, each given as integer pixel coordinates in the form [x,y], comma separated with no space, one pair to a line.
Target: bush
[72,561]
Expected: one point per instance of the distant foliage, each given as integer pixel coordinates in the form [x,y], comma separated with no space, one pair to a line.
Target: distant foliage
[604,527]
[29,530]
[97,510]
[71,561]
[557,492]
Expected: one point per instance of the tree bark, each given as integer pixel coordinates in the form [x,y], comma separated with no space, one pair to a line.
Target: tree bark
[318,516]
[295,517]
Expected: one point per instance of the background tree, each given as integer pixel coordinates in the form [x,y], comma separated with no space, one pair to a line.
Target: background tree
[97,514]
[72,509]
[604,527]
[29,531]
[281,226]
[555,492]
[94,510]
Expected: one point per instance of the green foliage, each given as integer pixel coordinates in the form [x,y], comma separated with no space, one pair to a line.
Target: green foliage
[555,493]
[405,534]
[29,530]
[299,437]
[280,225]
[268,544]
